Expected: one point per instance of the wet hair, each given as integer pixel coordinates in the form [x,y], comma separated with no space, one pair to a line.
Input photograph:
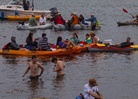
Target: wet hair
[34,57]
[59,39]
[87,35]
[128,38]
[93,82]
[76,35]
[53,59]
[44,34]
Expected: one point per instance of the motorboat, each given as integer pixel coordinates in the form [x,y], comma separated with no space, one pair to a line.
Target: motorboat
[15,7]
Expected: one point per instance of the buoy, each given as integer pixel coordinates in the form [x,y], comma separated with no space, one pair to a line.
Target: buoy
[2,15]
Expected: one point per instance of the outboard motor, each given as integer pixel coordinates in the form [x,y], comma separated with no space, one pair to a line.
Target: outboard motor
[54,11]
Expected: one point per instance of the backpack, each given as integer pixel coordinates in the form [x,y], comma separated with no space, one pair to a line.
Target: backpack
[7,46]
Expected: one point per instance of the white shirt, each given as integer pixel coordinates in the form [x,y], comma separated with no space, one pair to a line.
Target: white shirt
[41,20]
[87,89]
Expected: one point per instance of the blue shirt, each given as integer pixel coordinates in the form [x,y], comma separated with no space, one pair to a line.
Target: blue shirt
[92,19]
[62,44]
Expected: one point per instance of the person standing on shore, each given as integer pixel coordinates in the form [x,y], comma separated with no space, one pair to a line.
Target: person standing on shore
[34,66]
[59,67]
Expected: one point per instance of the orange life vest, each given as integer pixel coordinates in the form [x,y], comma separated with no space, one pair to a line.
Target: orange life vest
[76,20]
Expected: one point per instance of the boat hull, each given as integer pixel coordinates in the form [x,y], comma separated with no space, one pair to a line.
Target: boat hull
[99,48]
[22,18]
[39,27]
[127,23]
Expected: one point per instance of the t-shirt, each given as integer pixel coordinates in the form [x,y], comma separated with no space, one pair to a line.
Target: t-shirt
[87,89]
[32,21]
[74,40]
[62,44]
[125,44]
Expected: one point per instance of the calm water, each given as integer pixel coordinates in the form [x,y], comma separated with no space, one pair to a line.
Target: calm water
[117,73]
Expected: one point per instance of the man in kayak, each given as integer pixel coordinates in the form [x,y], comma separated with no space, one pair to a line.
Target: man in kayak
[59,67]
[32,21]
[91,90]
[43,43]
[125,44]
[34,66]
[93,21]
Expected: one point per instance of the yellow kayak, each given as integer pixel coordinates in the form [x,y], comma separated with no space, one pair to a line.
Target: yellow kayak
[22,18]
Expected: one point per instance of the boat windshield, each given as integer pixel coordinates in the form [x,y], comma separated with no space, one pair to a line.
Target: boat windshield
[15,2]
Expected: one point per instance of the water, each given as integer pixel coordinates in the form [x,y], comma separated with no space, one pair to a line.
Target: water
[116,73]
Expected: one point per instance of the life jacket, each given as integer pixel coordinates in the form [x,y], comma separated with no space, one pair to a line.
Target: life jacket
[76,20]
[7,46]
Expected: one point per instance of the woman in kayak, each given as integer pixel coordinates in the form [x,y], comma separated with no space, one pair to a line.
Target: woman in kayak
[75,39]
[64,44]
[94,38]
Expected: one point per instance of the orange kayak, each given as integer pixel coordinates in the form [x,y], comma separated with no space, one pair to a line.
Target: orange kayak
[22,18]
[56,52]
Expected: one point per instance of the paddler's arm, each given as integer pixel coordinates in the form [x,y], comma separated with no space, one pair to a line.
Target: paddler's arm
[95,95]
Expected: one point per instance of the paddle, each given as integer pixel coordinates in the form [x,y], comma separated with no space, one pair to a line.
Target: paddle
[128,13]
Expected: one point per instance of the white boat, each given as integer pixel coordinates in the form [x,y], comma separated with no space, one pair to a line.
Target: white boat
[16,7]
[26,26]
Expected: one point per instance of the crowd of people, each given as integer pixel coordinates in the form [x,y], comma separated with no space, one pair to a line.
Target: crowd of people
[59,20]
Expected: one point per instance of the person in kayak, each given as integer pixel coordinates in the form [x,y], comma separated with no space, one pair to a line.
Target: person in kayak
[91,90]
[75,39]
[94,38]
[64,44]
[43,43]
[59,19]
[73,21]
[127,43]
[32,21]
[88,39]
[34,67]
[81,18]
[42,20]
[93,21]
[30,44]
[59,67]
[13,44]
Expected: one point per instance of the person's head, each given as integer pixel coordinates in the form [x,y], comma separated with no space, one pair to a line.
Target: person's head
[42,15]
[54,60]
[92,34]
[33,15]
[87,36]
[30,35]
[59,39]
[81,15]
[128,39]
[13,39]
[34,59]
[92,15]
[75,35]
[44,35]
[93,82]
[71,14]
[58,13]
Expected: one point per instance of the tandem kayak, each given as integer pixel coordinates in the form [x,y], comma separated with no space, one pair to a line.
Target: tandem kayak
[134,22]
[83,26]
[27,27]
[22,18]
[56,52]
[111,48]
